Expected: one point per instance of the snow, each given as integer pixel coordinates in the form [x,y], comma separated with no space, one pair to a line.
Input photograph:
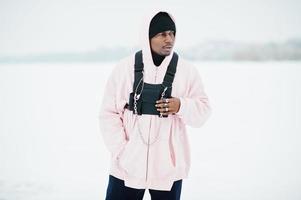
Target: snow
[51,146]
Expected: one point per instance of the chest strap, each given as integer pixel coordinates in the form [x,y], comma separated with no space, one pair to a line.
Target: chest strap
[169,75]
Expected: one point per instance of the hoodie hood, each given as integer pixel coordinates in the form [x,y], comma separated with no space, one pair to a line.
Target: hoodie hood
[146,48]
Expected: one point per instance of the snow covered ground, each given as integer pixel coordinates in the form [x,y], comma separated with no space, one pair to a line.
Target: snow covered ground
[51,147]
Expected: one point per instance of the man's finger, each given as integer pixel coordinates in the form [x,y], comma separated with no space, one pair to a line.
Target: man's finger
[167,100]
[163,105]
[166,113]
[163,110]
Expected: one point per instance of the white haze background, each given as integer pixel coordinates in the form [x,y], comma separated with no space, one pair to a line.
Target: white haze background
[50,144]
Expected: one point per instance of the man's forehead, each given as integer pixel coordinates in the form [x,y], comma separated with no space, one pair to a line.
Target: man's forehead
[166,32]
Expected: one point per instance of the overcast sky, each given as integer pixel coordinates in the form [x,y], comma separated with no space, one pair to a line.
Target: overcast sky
[36,26]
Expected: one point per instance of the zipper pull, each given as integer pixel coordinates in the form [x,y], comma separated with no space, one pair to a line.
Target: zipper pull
[156,74]
[163,93]
[162,97]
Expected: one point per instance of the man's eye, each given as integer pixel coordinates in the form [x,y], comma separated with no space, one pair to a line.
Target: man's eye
[171,33]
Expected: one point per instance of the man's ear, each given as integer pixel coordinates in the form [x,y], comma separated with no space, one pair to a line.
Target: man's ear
[150,44]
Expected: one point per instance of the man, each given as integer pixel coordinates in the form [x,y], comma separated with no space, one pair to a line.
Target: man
[149,99]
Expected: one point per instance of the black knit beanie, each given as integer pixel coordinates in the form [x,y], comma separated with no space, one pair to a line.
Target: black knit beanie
[161,22]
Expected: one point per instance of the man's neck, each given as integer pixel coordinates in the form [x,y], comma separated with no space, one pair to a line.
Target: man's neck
[158,59]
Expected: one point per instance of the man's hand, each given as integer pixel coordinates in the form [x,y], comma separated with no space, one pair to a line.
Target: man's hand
[168,106]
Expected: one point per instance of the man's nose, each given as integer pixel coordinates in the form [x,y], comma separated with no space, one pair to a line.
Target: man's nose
[168,38]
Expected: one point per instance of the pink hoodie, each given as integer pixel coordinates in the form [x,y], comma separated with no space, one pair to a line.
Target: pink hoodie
[159,164]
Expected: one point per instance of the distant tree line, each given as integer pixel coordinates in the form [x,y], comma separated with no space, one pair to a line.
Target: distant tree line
[206,51]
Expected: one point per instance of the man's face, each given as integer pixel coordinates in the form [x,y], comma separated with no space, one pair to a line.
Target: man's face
[163,42]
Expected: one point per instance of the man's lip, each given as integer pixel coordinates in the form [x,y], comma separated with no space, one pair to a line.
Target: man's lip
[167,47]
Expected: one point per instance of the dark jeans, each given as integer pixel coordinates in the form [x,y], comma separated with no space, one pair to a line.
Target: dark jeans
[118,191]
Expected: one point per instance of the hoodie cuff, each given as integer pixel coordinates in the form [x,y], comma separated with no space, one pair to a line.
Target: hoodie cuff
[181,110]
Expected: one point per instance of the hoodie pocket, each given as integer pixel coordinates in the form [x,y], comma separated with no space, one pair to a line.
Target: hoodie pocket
[132,159]
[161,161]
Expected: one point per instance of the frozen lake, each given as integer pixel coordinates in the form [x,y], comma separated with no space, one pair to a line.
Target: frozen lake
[51,147]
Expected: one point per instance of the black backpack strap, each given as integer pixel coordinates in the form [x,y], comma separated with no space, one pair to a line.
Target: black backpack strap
[138,69]
[171,71]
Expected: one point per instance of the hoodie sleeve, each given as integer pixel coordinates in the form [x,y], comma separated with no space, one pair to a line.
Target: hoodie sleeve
[194,108]
[111,114]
